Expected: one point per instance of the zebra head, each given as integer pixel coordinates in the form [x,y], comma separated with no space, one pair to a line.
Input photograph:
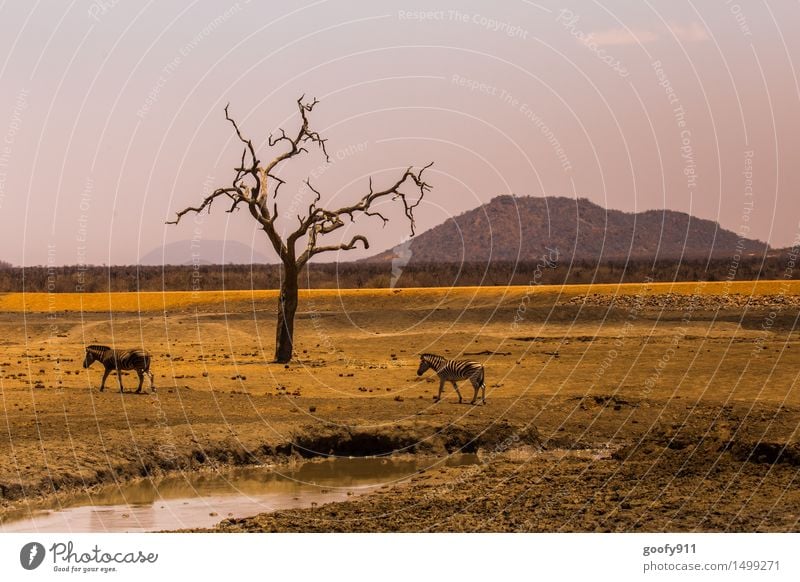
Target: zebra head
[424,364]
[92,355]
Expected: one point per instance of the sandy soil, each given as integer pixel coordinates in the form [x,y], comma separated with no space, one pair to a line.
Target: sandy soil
[631,416]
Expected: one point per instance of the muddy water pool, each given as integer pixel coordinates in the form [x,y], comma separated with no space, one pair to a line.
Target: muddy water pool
[201,499]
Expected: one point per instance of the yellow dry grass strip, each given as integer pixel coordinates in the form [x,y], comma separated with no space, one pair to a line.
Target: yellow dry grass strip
[175,300]
[128,302]
[780,287]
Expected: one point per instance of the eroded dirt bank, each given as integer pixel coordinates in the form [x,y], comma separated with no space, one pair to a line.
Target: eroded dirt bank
[139,436]
[716,469]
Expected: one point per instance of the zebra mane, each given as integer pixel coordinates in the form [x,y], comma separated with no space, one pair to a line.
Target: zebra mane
[97,348]
[433,358]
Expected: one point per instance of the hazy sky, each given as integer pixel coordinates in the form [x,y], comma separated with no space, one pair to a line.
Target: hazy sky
[111,112]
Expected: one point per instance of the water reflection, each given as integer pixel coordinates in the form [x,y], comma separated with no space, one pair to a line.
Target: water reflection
[203,499]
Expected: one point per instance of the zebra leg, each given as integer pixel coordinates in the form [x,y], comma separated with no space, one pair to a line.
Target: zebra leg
[103,382]
[457,391]
[475,386]
[141,381]
[119,379]
[152,381]
[441,387]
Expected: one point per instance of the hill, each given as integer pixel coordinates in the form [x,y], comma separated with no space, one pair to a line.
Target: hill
[204,252]
[510,228]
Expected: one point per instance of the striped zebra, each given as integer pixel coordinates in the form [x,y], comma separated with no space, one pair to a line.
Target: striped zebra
[452,371]
[119,360]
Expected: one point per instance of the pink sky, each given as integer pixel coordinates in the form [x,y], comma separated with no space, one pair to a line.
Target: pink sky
[111,113]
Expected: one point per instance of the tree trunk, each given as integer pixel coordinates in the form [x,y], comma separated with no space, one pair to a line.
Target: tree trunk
[287,307]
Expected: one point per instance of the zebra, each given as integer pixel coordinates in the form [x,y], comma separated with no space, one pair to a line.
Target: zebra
[119,360]
[453,370]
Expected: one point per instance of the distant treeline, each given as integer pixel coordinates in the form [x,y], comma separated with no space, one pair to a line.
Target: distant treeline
[364,274]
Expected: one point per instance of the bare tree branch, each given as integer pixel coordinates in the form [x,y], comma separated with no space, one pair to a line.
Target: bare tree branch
[304,134]
[251,184]
[273,142]
[396,194]
[245,141]
[320,221]
[344,246]
[232,193]
[279,181]
[378,214]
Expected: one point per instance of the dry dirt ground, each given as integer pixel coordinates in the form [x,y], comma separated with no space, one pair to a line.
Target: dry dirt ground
[672,410]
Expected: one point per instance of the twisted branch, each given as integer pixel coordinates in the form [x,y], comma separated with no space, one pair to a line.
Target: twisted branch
[250,187]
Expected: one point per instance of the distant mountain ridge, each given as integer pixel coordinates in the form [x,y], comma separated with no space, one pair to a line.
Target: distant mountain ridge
[526,228]
[204,252]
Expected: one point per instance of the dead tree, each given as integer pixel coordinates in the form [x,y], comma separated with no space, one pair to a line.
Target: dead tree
[256,187]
